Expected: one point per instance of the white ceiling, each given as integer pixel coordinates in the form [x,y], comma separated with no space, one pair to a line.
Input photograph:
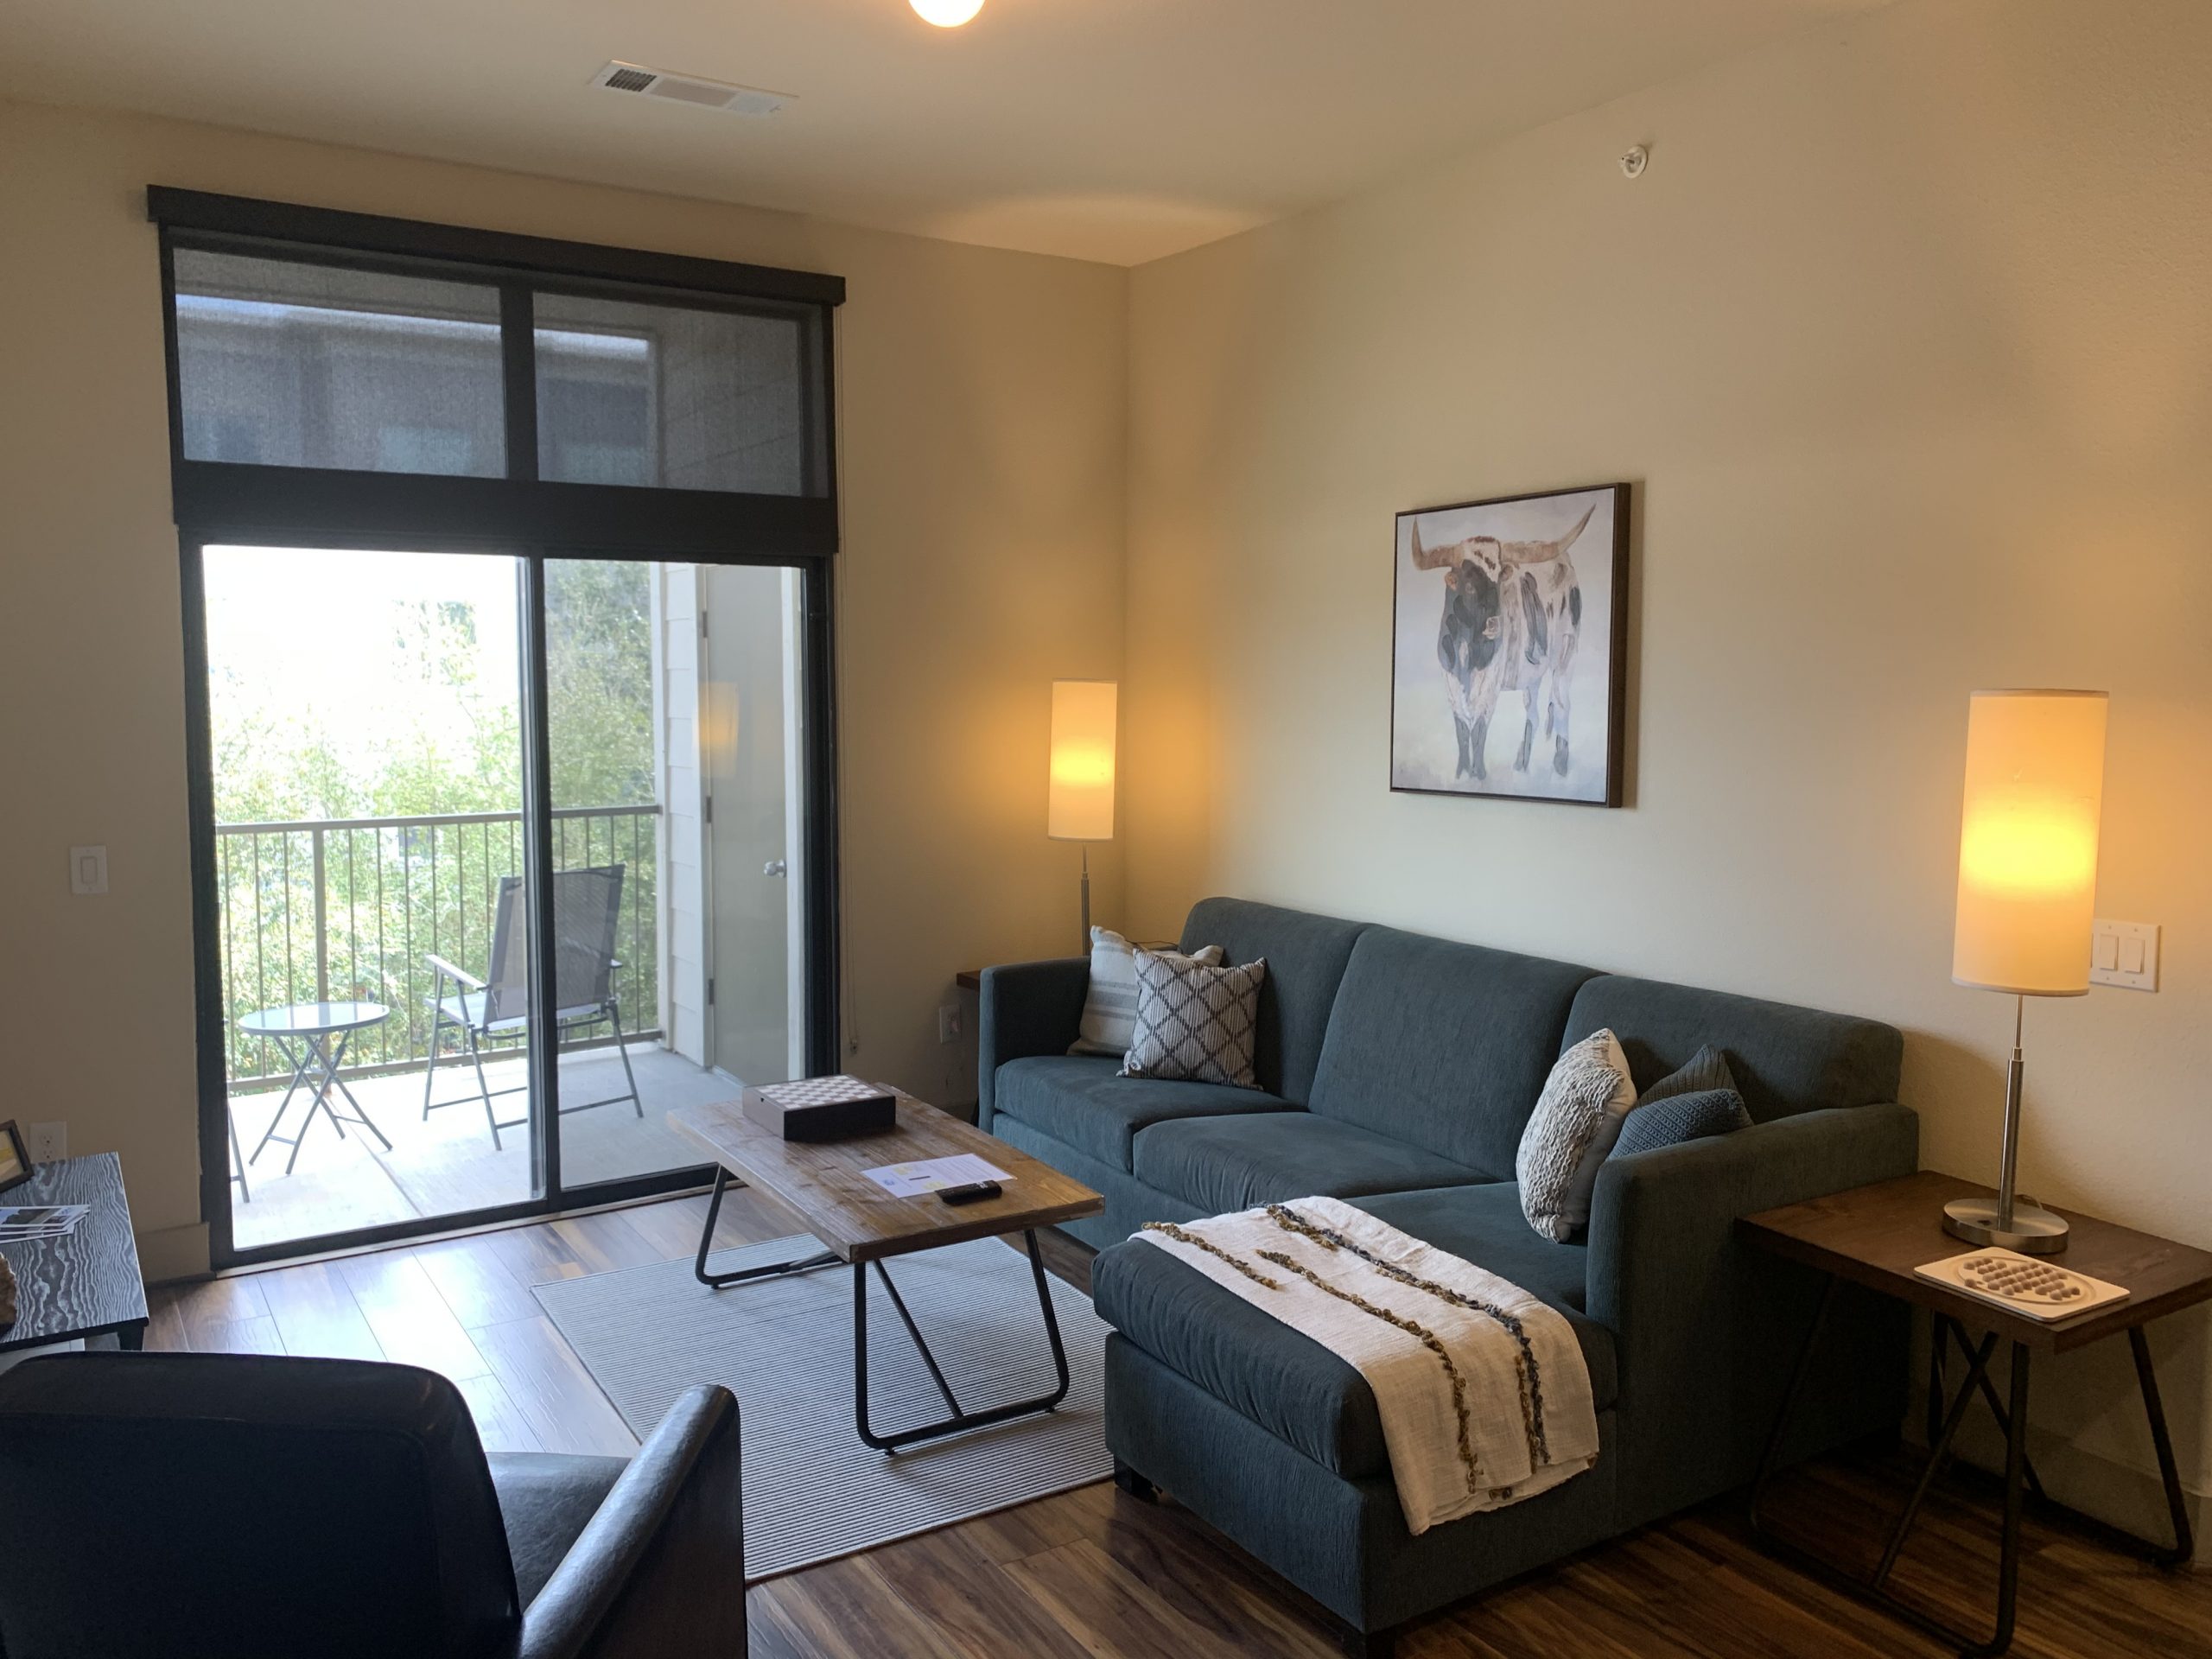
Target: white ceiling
[1112,130]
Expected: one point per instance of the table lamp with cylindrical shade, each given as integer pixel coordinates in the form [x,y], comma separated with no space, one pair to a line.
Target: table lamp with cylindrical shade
[2027,898]
[1079,799]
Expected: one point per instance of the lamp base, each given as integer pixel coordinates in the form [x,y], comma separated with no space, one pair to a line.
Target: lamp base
[2035,1231]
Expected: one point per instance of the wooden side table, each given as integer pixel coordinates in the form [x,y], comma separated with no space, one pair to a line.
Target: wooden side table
[1875,1236]
[86,1284]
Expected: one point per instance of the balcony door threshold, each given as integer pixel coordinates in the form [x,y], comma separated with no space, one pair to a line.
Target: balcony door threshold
[270,1259]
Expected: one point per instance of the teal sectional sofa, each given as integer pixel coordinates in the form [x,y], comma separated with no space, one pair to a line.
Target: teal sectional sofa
[1398,1072]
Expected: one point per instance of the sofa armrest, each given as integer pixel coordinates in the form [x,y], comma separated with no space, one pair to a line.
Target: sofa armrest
[1026,1008]
[659,1570]
[1707,1327]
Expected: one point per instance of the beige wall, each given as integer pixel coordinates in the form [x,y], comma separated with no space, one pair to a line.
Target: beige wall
[980,404]
[1906,341]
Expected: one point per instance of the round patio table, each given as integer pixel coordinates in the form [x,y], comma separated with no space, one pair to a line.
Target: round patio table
[312,1037]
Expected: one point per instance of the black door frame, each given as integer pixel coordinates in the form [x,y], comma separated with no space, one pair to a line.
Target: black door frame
[519,515]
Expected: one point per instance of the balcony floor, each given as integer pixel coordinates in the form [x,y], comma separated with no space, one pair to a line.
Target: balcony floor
[447,1166]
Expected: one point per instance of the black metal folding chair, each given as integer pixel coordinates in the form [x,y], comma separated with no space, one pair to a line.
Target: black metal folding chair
[586,907]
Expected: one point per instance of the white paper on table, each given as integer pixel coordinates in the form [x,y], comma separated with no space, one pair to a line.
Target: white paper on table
[911,1181]
[42,1220]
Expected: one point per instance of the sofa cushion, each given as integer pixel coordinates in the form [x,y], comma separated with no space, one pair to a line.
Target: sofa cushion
[1446,1046]
[1226,1164]
[1305,960]
[1290,1385]
[1086,1103]
[1485,1225]
[1784,1059]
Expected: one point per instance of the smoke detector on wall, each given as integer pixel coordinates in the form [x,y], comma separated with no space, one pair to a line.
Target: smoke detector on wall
[634,80]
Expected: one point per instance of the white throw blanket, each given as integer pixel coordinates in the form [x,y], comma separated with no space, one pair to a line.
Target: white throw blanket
[1482,1389]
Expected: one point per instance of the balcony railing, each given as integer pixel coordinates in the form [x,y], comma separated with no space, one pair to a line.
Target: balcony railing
[345,910]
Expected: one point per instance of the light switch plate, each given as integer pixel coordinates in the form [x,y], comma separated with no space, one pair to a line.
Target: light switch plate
[88,869]
[2125,954]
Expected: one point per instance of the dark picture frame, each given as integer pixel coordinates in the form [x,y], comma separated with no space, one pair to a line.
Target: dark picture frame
[1512,612]
[15,1165]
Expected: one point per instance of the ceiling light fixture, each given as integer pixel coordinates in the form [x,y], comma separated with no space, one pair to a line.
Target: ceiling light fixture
[946,14]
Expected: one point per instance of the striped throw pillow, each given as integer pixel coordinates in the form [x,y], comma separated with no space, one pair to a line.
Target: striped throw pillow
[1110,1006]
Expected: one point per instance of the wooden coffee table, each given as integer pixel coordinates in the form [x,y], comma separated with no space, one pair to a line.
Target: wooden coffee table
[825,1183]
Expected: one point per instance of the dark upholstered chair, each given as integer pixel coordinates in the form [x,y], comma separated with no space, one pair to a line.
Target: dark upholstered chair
[220,1506]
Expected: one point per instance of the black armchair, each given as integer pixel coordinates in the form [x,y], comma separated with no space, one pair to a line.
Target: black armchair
[220,1506]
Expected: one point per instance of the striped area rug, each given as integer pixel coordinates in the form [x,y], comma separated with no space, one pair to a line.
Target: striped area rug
[813,1491]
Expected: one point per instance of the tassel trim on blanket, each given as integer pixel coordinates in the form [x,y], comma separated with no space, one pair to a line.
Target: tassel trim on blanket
[1447,1462]
[1532,1384]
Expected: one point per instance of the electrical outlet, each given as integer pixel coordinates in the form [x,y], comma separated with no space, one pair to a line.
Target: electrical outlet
[47,1143]
[948,1023]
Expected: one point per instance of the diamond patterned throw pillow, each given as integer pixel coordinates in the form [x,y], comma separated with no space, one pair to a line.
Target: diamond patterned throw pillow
[1195,1022]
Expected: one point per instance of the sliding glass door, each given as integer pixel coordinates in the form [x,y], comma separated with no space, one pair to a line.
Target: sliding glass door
[396,1058]
[676,698]
[507,567]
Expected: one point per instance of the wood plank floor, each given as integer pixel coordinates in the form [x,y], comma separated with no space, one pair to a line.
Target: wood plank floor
[1095,1574]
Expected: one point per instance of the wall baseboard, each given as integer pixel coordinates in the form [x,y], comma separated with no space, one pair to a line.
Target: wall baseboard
[172,1253]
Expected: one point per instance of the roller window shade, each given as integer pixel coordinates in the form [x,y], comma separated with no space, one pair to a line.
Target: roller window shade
[669,396]
[290,364]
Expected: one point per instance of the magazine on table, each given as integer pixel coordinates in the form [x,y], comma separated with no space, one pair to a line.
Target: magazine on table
[41,1220]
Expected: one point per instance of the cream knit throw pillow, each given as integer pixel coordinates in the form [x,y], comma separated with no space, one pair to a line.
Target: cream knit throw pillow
[1576,1122]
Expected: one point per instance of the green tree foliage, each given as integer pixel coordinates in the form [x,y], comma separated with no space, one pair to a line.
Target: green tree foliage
[388,704]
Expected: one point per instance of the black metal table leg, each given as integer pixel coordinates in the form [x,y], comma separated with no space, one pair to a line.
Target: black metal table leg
[1947,1325]
[2185,1544]
[959,1420]
[1770,1458]
[716,1280]
[333,1059]
[325,1059]
[2019,1483]
[2008,1548]
[299,1070]
[1938,1452]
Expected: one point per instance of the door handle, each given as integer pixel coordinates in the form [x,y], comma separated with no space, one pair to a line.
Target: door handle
[775,866]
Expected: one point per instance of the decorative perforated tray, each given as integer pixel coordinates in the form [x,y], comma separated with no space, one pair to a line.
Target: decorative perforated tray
[823,1092]
[2023,1284]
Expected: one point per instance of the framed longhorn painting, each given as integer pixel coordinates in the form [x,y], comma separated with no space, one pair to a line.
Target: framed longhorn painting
[1510,647]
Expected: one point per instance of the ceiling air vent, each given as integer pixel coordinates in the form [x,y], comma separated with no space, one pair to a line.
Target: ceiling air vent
[636,81]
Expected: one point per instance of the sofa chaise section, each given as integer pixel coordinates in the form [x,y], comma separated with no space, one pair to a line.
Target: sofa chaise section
[1400,1072]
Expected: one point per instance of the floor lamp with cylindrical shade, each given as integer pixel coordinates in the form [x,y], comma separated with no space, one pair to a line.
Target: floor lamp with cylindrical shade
[1079,799]
[2027,900]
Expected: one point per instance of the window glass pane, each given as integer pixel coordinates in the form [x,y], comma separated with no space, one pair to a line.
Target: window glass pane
[365,713]
[679,848]
[293,365]
[657,394]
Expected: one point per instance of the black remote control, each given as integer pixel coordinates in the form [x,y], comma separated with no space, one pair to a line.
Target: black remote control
[971,1193]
